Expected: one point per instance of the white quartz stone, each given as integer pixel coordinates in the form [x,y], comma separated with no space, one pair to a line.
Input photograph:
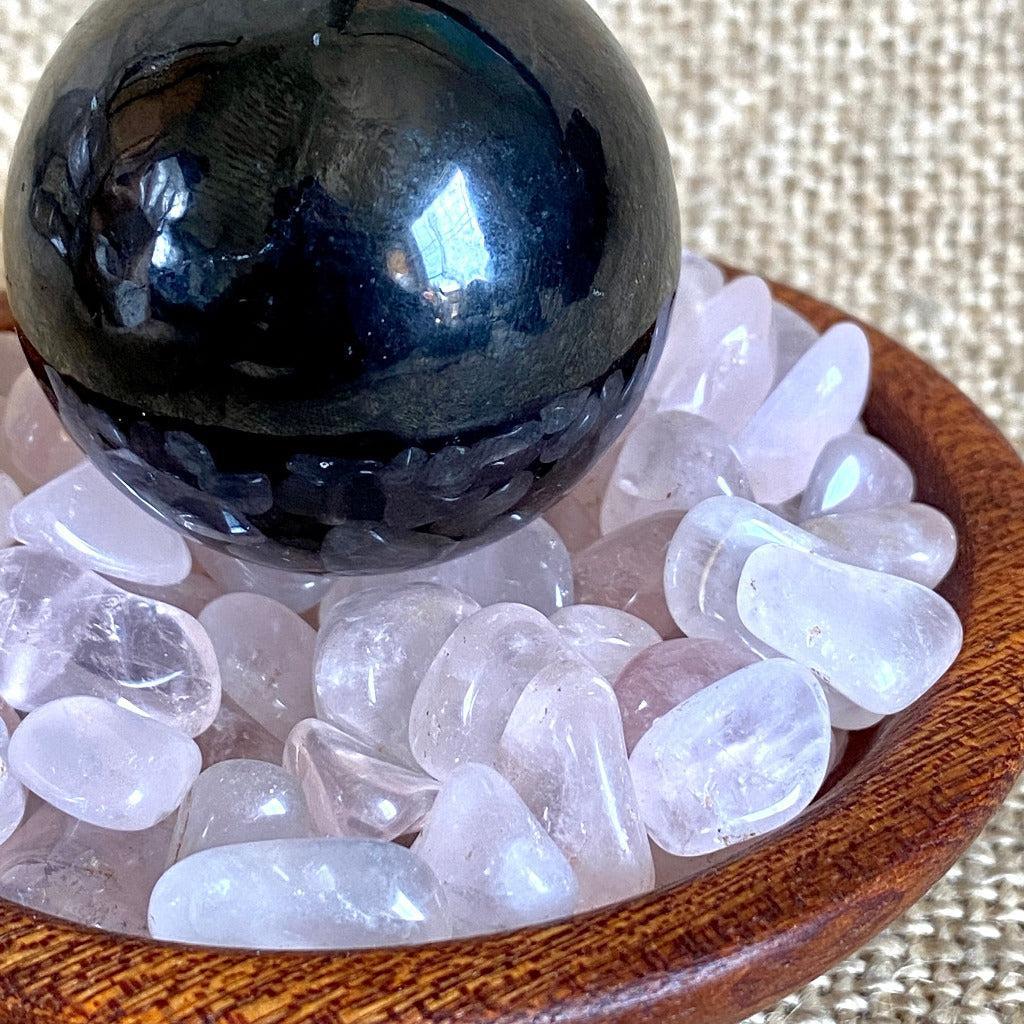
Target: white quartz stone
[606,637]
[234,734]
[103,764]
[738,759]
[819,399]
[12,793]
[497,866]
[12,361]
[191,595]
[794,337]
[671,462]
[846,715]
[239,801]
[85,518]
[881,641]
[265,653]
[351,790]
[372,655]
[564,752]
[856,472]
[300,894]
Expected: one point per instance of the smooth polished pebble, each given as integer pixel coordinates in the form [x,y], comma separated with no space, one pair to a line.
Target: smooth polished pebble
[671,870]
[497,866]
[12,361]
[191,595]
[350,789]
[10,495]
[265,652]
[239,802]
[12,793]
[103,764]
[564,752]
[577,517]
[846,715]
[794,338]
[663,676]
[372,654]
[856,472]
[819,399]
[882,641]
[234,734]
[738,759]
[300,894]
[606,637]
[85,518]
[671,462]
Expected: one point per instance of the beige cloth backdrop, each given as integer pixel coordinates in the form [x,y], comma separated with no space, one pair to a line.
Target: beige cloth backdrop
[871,152]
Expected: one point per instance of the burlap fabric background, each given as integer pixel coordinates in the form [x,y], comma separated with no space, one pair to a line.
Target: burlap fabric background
[871,152]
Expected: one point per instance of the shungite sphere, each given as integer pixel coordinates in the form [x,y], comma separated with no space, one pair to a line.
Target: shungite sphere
[342,285]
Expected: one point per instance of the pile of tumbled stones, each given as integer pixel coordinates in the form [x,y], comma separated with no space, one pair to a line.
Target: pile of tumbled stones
[614,698]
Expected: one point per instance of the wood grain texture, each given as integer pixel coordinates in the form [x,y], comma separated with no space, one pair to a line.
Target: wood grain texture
[915,793]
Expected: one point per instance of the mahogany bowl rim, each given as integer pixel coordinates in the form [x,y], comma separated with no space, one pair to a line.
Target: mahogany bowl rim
[710,950]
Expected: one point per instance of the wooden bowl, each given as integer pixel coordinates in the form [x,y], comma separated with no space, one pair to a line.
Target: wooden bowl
[915,793]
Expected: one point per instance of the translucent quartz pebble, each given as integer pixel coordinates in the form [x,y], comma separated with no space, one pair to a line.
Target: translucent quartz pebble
[239,802]
[738,759]
[794,337]
[470,688]
[846,715]
[265,653]
[706,557]
[372,655]
[350,789]
[300,894]
[671,462]
[103,764]
[12,793]
[564,752]
[234,734]
[625,570]
[35,446]
[498,868]
[191,595]
[914,541]
[606,637]
[530,567]
[66,631]
[298,591]
[577,517]
[856,472]
[819,399]
[85,518]
[879,640]
[665,675]
[10,496]
[62,866]
[671,870]
[723,362]
[12,361]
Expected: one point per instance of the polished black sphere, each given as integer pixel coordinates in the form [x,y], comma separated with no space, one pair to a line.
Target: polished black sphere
[342,285]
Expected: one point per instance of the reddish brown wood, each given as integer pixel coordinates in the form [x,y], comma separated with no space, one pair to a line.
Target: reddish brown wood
[720,946]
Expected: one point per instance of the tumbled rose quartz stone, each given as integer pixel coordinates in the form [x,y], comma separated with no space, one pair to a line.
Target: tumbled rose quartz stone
[234,734]
[606,637]
[794,337]
[577,517]
[350,789]
[12,793]
[564,752]
[265,653]
[470,688]
[239,802]
[191,595]
[625,570]
[663,676]
[846,715]
[497,866]
[914,541]
[300,894]
[856,472]
[12,361]
[671,462]
[85,518]
[740,758]
[372,653]
[65,631]
[68,868]
[103,764]
[10,495]
[819,399]
[881,641]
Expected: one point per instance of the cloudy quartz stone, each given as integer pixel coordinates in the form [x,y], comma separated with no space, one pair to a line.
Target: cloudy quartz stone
[606,637]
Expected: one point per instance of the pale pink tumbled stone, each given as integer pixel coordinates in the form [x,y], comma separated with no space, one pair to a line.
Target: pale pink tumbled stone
[497,866]
[738,759]
[663,676]
[85,518]
[350,789]
[12,793]
[606,637]
[846,715]
[233,734]
[625,570]
[564,752]
[856,472]
[372,654]
[10,495]
[819,399]
[794,337]
[671,870]
[882,641]
[265,652]
[577,517]
[191,595]
[671,462]
[12,361]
